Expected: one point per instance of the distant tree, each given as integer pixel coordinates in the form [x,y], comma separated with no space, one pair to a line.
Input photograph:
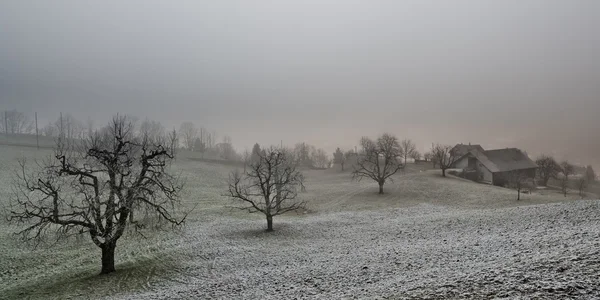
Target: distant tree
[319,158]
[153,130]
[416,156]
[518,180]
[50,130]
[442,156]
[70,128]
[339,157]
[92,188]
[547,168]
[226,150]
[173,141]
[15,122]
[566,169]
[246,158]
[270,186]
[199,146]
[582,184]
[302,153]
[379,159]
[590,175]
[428,157]
[407,149]
[256,152]
[188,133]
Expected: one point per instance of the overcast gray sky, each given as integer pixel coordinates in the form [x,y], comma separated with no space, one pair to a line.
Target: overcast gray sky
[500,73]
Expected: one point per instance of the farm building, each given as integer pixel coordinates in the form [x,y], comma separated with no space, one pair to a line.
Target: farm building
[462,149]
[495,166]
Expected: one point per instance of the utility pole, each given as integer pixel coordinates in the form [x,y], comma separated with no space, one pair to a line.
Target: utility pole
[6,121]
[37,135]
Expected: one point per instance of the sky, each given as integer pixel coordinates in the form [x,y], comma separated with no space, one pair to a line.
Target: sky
[509,73]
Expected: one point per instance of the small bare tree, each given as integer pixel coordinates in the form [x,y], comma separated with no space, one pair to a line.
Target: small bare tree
[339,157]
[407,149]
[270,186]
[92,187]
[567,170]
[416,156]
[379,159]
[582,184]
[442,156]
[518,180]
[188,133]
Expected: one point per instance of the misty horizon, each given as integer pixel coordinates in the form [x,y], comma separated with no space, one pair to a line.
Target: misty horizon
[507,74]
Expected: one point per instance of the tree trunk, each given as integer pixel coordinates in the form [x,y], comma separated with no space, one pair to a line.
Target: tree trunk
[380,188]
[342,167]
[269,223]
[444,172]
[518,195]
[108,257]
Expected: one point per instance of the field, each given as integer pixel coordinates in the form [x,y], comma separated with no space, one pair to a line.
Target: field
[428,237]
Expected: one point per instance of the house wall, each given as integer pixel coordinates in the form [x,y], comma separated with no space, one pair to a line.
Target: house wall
[486,175]
[462,163]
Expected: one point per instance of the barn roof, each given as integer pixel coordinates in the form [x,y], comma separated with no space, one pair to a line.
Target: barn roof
[509,159]
[462,149]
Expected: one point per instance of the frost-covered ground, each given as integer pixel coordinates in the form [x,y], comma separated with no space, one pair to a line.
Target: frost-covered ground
[428,237]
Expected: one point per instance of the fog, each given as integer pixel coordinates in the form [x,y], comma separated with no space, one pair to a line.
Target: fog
[520,74]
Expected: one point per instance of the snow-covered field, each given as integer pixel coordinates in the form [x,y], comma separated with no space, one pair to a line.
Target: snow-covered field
[427,238]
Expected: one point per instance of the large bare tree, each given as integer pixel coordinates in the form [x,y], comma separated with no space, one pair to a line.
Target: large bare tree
[270,186]
[379,159]
[92,187]
[443,157]
[188,133]
[547,168]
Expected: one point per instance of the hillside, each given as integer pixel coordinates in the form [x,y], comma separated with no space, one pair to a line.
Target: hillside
[427,237]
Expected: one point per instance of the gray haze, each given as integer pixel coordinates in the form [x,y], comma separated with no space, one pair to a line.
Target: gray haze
[499,73]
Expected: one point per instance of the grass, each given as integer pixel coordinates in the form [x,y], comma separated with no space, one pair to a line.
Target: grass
[69,270]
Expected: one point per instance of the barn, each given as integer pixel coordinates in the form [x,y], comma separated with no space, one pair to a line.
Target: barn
[495,166]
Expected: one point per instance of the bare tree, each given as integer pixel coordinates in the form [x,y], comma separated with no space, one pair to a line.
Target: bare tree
[339,157]
[246,158]
[415,155]
[269,187]
[188,133]
[407,148]
[173,141]
[547,168]
[319,158]
[442,156]
[590,175]
[50,130]
[153,130]
[70,128]
[518,180]
[15,122]
[92,188]
[379,159]
[582,184]
[428,156]
[567,170]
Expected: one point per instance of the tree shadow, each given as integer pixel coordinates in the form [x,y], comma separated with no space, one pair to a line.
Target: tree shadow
[131,276]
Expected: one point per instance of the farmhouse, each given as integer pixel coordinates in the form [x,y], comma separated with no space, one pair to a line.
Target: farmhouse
[495,166]
[461,149]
